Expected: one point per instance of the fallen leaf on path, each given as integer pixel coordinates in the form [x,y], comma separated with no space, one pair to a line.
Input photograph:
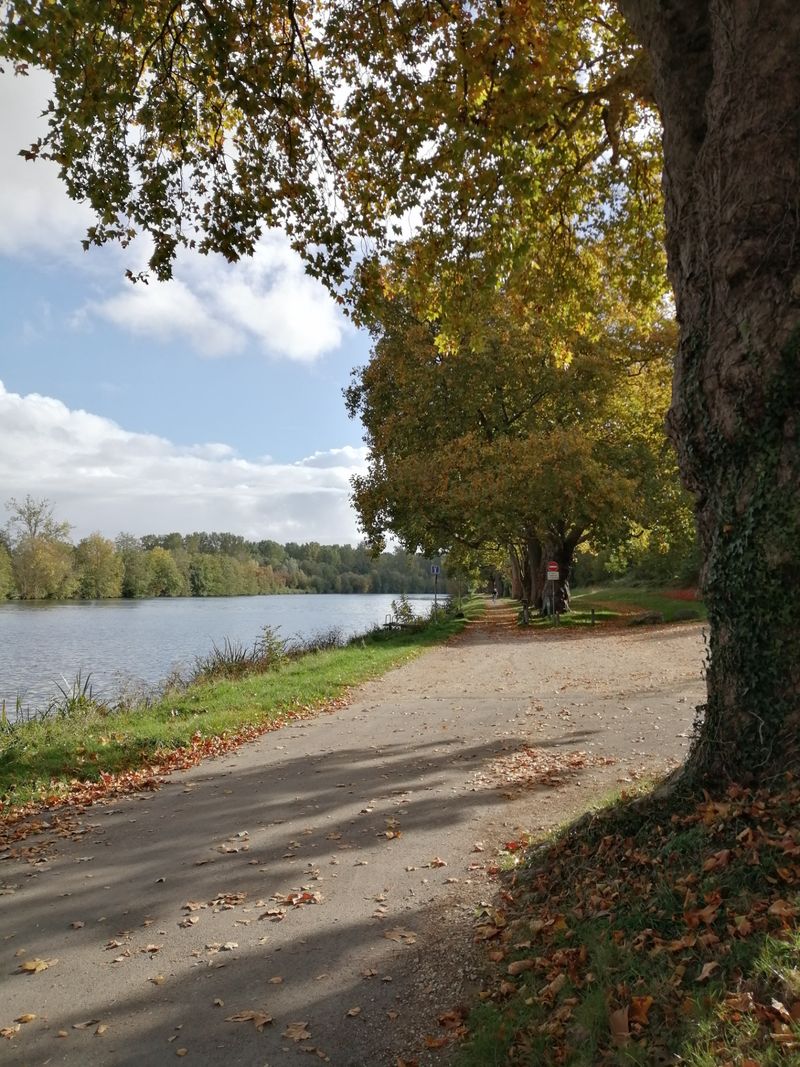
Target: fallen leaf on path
[273,914]
[219,1002]
[159,979]
[297,1032]
[28,1017]
[77,925]
[352,1012]
[259,1019]
[435,1042]
[181,1052]
[707,971]
[101,1029]
[405,937]
[437,861]
[85,1026]
[10,1031]
[640,1007]
[35,966]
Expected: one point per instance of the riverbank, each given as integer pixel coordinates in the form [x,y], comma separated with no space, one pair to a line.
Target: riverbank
[129,647]
[84,749]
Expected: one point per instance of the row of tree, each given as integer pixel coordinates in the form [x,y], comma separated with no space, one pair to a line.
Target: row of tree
[38,561]
[531,425]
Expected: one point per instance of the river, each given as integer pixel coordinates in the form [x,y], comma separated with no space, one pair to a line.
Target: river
[127,645]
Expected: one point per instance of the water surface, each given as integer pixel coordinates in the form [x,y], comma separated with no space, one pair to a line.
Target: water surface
[126,644]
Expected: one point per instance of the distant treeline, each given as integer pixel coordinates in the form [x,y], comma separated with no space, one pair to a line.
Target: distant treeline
[38,561]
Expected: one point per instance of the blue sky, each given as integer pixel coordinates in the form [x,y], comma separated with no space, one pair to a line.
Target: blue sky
[210,402]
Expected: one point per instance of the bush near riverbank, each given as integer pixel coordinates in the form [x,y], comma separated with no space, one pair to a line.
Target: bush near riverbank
[651,933]
[84,749]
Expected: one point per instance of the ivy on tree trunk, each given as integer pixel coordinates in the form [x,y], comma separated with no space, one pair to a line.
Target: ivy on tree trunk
[727,81]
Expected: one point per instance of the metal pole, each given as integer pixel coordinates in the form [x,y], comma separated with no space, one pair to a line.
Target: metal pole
[435,591]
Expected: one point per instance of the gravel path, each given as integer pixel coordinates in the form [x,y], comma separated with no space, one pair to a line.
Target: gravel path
[331,870]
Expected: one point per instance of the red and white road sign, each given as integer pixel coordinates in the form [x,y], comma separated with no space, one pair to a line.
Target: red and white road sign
[552,571]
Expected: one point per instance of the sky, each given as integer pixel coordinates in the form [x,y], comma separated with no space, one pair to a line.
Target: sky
[211,402]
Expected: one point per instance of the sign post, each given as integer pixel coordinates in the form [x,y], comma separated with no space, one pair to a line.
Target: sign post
[435,573]
[553,576]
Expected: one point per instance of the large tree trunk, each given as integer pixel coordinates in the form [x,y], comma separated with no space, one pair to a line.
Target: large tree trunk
[535,554]
[727,81]
[516,572]
[561,550]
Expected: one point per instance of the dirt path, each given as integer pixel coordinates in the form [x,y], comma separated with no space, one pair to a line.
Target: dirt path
[333,868]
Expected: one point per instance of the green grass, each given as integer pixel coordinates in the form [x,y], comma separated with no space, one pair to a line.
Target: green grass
[40,758]
[578,617]
[622,598]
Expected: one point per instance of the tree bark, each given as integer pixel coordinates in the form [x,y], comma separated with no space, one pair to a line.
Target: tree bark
[561,550]
[535,554]
[516,572]
[726,79]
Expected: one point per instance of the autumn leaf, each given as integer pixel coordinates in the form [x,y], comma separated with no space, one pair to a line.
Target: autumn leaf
[639,1009]
[620,1029]
[707,971]
[405,937]
[450,1020]
[35,966]
[353,1012]
[85,1026]
[297,1032]
[435,1042]
[782,909]
[518,966]
[259,1019]
[9,1031]
[28,1017]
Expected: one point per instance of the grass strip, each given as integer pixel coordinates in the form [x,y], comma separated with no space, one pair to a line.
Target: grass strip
[623,599]
[42,760]
[650,933]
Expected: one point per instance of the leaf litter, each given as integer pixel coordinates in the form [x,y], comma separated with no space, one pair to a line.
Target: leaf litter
[680,917]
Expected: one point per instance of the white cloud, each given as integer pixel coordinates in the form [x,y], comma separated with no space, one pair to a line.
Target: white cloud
[35,212]
[347,457]
[272,297]
[169,312]
[100,476]
[266,299]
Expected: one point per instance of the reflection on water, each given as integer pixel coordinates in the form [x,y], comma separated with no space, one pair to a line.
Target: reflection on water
[129,644]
